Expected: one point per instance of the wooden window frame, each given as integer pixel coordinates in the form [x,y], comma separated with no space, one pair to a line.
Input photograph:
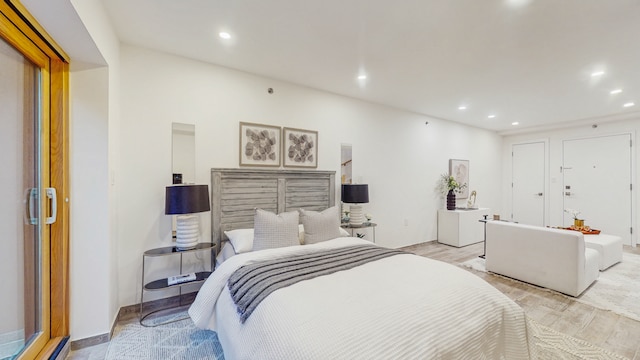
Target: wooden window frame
[22,31]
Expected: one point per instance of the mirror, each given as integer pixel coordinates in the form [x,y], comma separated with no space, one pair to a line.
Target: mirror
[345,164]
[183,162]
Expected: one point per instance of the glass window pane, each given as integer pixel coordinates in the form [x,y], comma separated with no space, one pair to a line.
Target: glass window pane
[20,306]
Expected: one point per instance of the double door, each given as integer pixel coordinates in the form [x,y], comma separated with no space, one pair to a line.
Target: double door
[595,179]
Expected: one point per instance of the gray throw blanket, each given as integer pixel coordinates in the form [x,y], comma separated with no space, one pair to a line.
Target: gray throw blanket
[251,284]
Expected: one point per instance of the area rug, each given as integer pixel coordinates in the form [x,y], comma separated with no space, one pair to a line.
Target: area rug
[179,340]
[182,340]
[617,288]
[548,344]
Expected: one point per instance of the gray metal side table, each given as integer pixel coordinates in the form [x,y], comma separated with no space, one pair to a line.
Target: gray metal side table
[163,284]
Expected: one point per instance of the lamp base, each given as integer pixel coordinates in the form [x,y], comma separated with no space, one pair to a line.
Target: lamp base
[356,215]
[187,231]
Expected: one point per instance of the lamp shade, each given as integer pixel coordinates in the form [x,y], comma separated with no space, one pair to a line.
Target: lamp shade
[186,199]
[355,193]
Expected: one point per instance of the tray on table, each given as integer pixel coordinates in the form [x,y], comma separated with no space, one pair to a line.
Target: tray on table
[584,231]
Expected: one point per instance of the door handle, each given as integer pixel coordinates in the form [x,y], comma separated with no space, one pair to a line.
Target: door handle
[31,201]
[538,194]
[51,194]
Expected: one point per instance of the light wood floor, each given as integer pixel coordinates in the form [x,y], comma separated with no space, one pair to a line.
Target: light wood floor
[606,329]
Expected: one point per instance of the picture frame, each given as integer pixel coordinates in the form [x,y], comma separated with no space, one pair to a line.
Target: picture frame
[459,169]
[299,148]
[259,145]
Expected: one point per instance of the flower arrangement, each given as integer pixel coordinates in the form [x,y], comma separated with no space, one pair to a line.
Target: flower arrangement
[574,213]
[448,182]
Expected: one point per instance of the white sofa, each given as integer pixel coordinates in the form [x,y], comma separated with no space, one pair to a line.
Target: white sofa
[608,246]
[551,258]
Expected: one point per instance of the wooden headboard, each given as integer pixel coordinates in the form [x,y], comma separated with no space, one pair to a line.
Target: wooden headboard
[236,193]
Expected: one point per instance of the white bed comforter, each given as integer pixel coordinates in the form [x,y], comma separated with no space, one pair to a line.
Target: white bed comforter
[400,307]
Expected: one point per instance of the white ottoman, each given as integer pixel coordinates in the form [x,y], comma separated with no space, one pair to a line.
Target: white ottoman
[608,246]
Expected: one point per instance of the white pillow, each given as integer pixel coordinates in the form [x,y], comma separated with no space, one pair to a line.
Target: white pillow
[274,231]
[241,240]
[320,226]
[344,233]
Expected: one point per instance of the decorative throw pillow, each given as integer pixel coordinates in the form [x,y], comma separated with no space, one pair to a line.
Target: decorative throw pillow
[320,226]
[343,233]
[274,231]
[241,240]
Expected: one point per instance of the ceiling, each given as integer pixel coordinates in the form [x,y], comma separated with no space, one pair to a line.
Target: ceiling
[525,61]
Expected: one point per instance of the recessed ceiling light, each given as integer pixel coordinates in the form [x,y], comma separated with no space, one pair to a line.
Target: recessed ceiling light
[518,3]
[629,104]
[462,107]
[362,77]
[491,116]
[224,35]
[597,73]
[616,91]
[515,123]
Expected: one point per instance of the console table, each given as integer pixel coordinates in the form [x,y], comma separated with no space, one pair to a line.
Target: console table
[460,227]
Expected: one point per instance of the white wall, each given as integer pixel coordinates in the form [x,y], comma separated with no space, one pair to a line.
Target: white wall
[90,257]
[94,121]
[394,152]
[554,140]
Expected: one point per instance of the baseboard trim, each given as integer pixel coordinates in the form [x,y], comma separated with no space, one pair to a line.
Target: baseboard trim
[90,341]
[133,311]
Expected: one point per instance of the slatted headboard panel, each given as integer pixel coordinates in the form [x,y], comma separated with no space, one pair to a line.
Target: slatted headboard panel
[237,192]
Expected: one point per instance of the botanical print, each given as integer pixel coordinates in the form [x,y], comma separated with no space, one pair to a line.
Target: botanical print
[300,148]
[259,145]
[459,169]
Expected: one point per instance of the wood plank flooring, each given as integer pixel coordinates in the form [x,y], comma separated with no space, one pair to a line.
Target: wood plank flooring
[606,329]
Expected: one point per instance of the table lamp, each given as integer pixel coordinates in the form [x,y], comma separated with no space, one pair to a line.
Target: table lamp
[355,194]
[185,201]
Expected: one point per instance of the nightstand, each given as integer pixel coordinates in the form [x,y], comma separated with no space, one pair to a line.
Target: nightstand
[351,228]
[163,284]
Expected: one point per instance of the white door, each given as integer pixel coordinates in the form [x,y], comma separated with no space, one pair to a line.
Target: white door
[528,180]
[597,183]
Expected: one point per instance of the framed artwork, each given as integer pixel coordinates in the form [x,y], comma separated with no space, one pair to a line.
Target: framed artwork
[300,148]
[459,169]
[259,145]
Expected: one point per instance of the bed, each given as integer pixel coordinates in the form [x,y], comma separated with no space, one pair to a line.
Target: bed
[237,192]
[401,306]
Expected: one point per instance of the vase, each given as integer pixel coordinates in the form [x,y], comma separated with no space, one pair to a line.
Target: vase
[451,200]
[578,223]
